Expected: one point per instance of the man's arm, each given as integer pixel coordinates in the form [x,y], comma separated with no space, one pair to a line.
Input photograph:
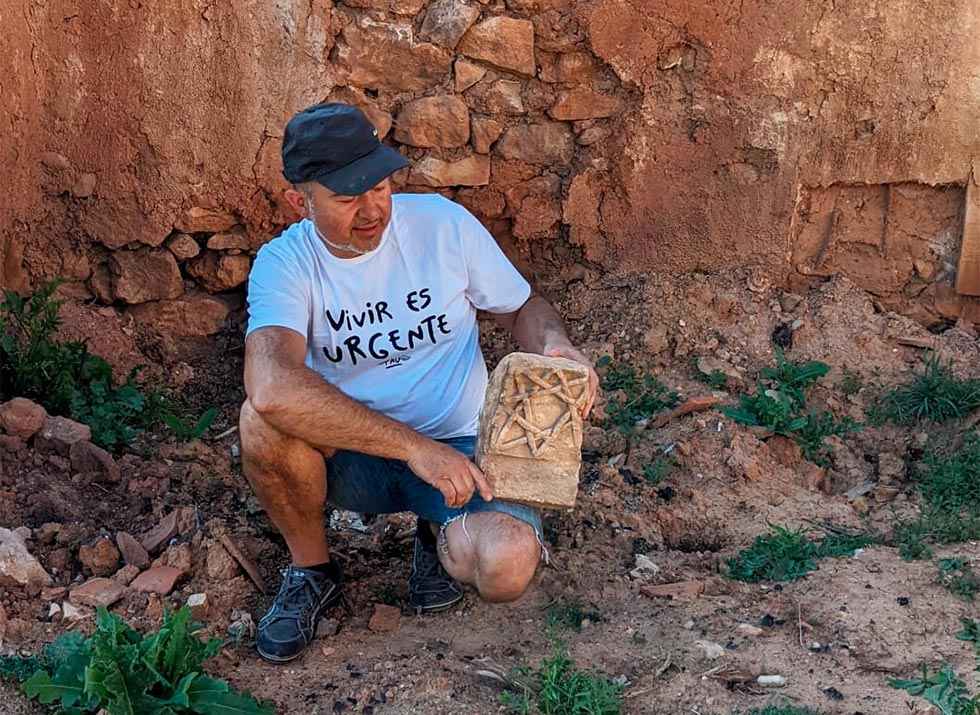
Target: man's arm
[537,328]
[299,402]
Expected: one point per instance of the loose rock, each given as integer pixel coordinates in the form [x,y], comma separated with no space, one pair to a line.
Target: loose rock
[161,534]
[183,246]
[228,241]
[88,458]
[126,574]
[218,272]
[160,580]
[645,569]
[219,563]
[97,592]
[385,619]
[100,559]
[146,274]
[17,566]
[198,603]
[196,314]
[58,435]
[132,551]
[22,418]
[712,651]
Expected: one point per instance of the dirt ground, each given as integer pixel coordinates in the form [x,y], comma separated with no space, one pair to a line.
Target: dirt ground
[835,635]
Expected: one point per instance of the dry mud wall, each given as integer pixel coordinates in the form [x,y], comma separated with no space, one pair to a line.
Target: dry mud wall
[141,139]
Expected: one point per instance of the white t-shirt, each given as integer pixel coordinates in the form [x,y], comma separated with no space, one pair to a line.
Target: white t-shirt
[394,329]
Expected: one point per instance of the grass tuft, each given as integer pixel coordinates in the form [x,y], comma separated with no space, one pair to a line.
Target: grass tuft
[935,395]
[787,555]
[558,687]
[957,576]
[949,483]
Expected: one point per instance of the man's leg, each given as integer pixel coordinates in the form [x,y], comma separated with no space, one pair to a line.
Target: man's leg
[495,552]
[289,478]
[290,481]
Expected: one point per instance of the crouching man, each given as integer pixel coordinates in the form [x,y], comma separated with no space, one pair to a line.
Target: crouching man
[364,377]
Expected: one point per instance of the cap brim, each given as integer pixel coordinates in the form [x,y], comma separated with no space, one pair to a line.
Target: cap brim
[364,173]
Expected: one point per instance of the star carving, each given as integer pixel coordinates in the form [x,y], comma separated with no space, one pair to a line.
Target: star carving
[522,426]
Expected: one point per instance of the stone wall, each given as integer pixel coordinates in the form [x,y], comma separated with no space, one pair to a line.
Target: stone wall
[804,138]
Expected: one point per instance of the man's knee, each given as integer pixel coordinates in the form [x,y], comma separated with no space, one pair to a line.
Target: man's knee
[259,439]
[508,563]
[268,452]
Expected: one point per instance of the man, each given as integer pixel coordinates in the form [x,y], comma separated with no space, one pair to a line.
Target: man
[364,377]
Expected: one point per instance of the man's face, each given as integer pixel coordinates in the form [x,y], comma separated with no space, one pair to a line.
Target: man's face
[357,221]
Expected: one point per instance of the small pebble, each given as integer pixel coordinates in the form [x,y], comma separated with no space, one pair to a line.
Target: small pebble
[771,681]
[747,629]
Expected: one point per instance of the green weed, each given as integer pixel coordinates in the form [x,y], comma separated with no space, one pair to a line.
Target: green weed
[658,469]
[716,379]
[779,405]
[120,671]
[644,396]
[952,481]
[18,668]
[558,687]
[935,526]
[187,431]
[568,615]
[950,487]
[944,689]
[69,381]
[935,394]
[971,634]
[787,555]
[957,576]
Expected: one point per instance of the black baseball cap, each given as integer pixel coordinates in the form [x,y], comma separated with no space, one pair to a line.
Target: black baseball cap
[335,145]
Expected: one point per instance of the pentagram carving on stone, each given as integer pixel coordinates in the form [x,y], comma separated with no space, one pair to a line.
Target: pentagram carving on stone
[530,441]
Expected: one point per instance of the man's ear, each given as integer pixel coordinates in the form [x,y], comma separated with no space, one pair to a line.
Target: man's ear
[297,202]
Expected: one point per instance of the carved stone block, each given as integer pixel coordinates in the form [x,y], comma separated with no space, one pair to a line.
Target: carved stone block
[530,441]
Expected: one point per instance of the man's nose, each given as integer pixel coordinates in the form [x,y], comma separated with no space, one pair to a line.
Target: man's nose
[370,209]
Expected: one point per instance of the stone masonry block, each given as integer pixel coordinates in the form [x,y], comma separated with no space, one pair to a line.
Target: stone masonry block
[530,441]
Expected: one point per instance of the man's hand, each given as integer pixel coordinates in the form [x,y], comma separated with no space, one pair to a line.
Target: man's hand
[449,471]
[567,350]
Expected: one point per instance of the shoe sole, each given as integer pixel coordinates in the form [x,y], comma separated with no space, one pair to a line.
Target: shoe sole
[333,602]
[439,608]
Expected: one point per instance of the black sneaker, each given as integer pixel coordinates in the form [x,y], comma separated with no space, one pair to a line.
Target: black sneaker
[290,624]
[430,588]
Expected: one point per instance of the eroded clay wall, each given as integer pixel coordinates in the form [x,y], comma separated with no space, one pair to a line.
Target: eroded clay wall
[141,140]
